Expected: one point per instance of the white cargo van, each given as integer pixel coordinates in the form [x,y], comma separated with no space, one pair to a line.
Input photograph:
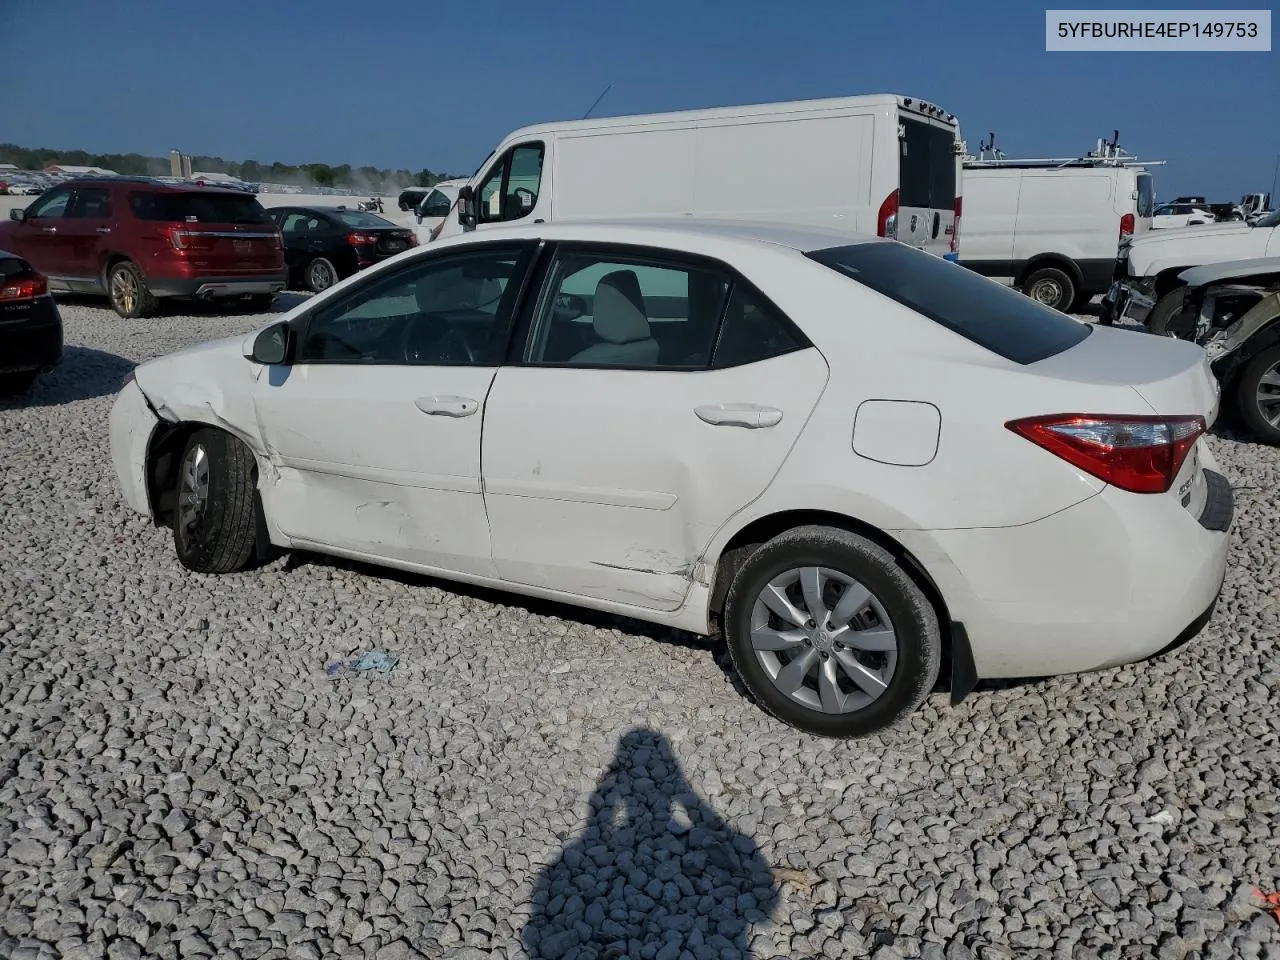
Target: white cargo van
[883,164]
[1052,228]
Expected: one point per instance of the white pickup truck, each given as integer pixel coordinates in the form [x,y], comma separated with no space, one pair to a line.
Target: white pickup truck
[1147,268]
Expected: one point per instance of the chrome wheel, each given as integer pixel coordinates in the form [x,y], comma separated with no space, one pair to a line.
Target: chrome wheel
[124,290]
[320,276]
[824,639]
[193,494]
[1268,394]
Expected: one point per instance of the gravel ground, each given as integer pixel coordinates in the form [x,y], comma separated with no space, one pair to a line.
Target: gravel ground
[178,777]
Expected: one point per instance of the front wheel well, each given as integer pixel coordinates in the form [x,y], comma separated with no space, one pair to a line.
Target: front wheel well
[1166,280]
[1056,261]
[164,454]
[760,531]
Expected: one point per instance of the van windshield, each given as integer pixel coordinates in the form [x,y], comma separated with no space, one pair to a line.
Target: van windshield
[985,312]
[926,166]
[1146,195]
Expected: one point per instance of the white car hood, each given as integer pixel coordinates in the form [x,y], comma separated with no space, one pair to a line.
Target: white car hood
[1193,246]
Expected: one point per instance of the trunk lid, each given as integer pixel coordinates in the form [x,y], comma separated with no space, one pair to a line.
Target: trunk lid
[216,232]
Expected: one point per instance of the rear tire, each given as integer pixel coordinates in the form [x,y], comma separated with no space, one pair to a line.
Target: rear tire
[1258,395]
[128,292]
[320,275]
[1052,287]
[214,526]
[13,384]
[871,666]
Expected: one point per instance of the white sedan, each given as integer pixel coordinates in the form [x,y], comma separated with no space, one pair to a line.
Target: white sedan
[852,458]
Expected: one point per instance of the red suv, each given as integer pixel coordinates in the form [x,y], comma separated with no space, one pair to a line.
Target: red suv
[138,240]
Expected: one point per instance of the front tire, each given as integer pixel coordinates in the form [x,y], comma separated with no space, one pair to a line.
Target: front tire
[1051,287]
[829,633]
[320,275]
[1161,320]
[1258,395]
[128,292]
[214,527]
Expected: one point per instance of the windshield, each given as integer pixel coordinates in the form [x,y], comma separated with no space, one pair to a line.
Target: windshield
[1271,219]
[985,312]
[356,218]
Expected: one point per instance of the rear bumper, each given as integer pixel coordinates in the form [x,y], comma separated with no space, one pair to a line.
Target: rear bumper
[33,342]
[234,286]
[1113,580]
[131,426]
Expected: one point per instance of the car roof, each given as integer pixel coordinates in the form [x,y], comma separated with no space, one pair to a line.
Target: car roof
[657,231]
[159,186]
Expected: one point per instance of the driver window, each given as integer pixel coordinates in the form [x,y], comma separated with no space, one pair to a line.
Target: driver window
[438,312]
[48,207]
[511,189]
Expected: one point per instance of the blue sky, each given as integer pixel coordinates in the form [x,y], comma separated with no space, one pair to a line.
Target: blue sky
[413,84]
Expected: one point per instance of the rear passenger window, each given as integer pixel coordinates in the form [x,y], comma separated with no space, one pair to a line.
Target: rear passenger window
[752,331]
[91,203]
[610,311]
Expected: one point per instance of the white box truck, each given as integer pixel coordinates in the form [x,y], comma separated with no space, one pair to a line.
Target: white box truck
[1052,227]
[883,165]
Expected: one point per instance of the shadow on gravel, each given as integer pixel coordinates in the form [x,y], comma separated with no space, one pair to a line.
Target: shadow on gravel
[83,374]
[655,873]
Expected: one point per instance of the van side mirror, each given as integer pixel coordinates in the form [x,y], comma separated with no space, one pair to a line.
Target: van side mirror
[467,207]
[271,346]
[18,213]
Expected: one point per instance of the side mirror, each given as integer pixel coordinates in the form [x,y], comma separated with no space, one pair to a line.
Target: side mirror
[271,346]
[467,206]
[18,213]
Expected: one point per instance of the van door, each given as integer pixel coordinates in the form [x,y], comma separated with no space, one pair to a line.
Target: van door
[926,183]
[511,189]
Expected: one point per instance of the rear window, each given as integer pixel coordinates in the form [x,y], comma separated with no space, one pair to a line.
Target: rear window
[12,266]
[357,218]
[1146,195]
[987,313]
[926,166]
[197,207]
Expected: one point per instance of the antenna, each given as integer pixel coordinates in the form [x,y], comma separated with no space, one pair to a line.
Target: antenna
[597,101]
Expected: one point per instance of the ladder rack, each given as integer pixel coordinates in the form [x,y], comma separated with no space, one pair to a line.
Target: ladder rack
[1107,153]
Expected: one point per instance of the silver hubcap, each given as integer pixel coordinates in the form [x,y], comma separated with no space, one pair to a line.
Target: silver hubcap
[1048,292]
[193,493]
[1269,395]
[321,275]
[824,639]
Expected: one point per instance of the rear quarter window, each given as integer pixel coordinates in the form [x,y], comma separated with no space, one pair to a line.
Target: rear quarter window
[989,314]
[196,208]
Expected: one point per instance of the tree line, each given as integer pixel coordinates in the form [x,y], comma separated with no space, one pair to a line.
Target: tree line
[359,179]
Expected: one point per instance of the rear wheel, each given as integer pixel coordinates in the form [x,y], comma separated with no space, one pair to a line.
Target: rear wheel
[1052,287]
[12,384]
[1258,395]
[213,522]
[321,275]
[829,633]
[127,289]
[1165,319]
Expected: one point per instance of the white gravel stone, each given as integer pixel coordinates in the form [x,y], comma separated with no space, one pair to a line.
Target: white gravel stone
[178,777]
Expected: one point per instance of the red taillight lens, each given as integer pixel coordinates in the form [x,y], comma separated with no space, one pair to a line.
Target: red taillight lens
[1126,225]
[177,237]
[1135,453]
[887,218]
[955,226]
[26,289]
[412,238]
[360,239]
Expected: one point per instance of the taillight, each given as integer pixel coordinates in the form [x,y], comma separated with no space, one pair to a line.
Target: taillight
[955,226]
[277,241]
[360,239]
[1135,453]
[1126,225]
[25,289]
[412,238]
[887,218]
[177,237]
[184,240]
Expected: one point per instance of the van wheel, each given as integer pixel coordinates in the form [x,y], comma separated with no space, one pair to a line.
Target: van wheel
[127,289]
[1051,287]
[829,634]
[321,275]
[1258,395]
[214,528]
